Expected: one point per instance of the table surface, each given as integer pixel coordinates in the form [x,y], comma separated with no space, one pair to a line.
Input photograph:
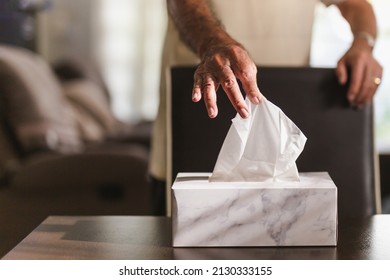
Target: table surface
[145,237]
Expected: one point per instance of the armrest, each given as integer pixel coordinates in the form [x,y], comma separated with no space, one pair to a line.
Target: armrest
[139,133]
[124,165]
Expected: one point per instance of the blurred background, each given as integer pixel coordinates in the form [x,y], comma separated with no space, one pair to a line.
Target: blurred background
[124,38]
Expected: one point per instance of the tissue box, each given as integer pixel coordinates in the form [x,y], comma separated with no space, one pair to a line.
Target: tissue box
[217,214]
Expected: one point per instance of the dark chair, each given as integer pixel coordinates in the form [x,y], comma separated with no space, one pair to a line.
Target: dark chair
[384,160]
[340,138]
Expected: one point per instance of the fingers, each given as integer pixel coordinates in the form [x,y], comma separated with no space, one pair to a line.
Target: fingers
[223,68]
[371,81]
[364,74]
[205,83]
[357,72]
[367,88]
[230,86]
[210,96]
[197,88]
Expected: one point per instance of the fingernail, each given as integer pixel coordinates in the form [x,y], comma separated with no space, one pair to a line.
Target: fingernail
[195,96]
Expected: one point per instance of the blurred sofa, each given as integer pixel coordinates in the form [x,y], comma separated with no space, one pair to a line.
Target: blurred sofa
[62,150]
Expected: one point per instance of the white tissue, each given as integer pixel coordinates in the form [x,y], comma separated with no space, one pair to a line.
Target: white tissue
[263,147]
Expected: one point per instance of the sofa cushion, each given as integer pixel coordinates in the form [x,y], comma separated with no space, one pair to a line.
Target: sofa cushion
[75,68]
[33,103]
[94,116]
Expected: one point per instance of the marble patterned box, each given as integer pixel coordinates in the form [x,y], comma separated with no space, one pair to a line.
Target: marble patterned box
[232,214]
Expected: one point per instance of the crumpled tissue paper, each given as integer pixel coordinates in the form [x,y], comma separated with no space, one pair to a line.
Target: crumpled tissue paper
[261,148]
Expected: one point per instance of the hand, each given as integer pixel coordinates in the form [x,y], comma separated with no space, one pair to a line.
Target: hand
[222,65]
[364,73]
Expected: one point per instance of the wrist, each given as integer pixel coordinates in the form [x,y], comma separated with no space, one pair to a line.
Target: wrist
[365,38]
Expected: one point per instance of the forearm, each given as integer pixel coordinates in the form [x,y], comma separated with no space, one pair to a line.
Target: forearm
[197,25]
[223,60]
[361,18]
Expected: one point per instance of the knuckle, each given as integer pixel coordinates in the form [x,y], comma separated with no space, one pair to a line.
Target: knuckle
[218,59]
[207,86]
[237,50]
[237,101]
[229,83]
[212,61]
[252,92]
[197,76]
[248,74]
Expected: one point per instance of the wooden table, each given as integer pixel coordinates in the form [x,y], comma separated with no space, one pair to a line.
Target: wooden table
[144,237]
